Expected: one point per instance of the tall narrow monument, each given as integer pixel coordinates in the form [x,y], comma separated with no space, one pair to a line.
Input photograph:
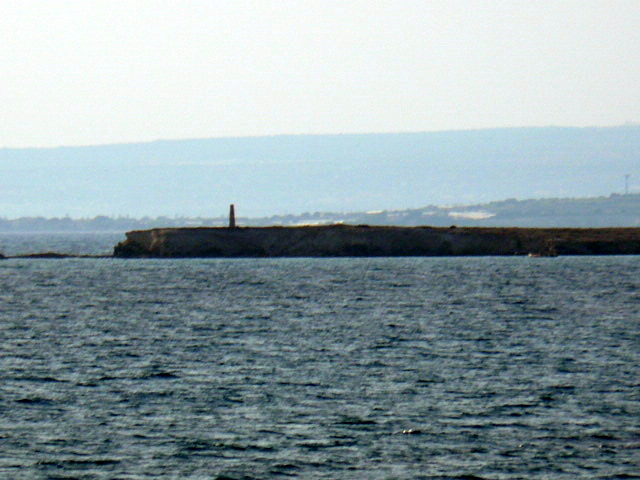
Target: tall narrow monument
[232,216]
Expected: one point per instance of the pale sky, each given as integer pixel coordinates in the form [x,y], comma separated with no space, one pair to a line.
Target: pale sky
[94,72]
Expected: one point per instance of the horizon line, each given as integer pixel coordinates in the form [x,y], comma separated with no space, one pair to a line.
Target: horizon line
[320,134]
[390,210]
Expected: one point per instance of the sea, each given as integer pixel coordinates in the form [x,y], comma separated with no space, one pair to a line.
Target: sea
[333,368]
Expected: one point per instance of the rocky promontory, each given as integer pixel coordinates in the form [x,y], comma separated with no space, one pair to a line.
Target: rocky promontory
[364,240]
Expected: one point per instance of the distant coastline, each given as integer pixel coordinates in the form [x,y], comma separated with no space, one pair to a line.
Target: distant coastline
[294,174]
[615,210]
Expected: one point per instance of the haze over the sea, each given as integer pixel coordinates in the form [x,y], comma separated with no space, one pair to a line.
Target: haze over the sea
[265,176]
[101,72]
[282,94]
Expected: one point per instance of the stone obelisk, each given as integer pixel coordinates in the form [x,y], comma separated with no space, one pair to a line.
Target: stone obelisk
[232,216]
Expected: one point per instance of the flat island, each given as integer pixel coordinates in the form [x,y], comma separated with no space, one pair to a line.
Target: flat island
[375,241]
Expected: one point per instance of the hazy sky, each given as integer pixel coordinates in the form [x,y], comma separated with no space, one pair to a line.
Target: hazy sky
[93,72]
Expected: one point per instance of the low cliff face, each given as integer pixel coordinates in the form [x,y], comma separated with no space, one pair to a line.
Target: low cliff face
[354,241]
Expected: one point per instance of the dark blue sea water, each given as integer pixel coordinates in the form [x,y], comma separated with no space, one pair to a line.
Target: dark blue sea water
[502,368]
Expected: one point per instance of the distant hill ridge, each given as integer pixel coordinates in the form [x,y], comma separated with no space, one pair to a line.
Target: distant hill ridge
[615,210]
[318,173]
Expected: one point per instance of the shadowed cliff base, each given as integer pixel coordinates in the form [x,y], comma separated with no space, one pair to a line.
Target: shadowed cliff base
[376,241]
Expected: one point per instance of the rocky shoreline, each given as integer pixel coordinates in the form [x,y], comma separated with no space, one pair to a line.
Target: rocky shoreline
[363,241]
[52,255]
[375,241]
